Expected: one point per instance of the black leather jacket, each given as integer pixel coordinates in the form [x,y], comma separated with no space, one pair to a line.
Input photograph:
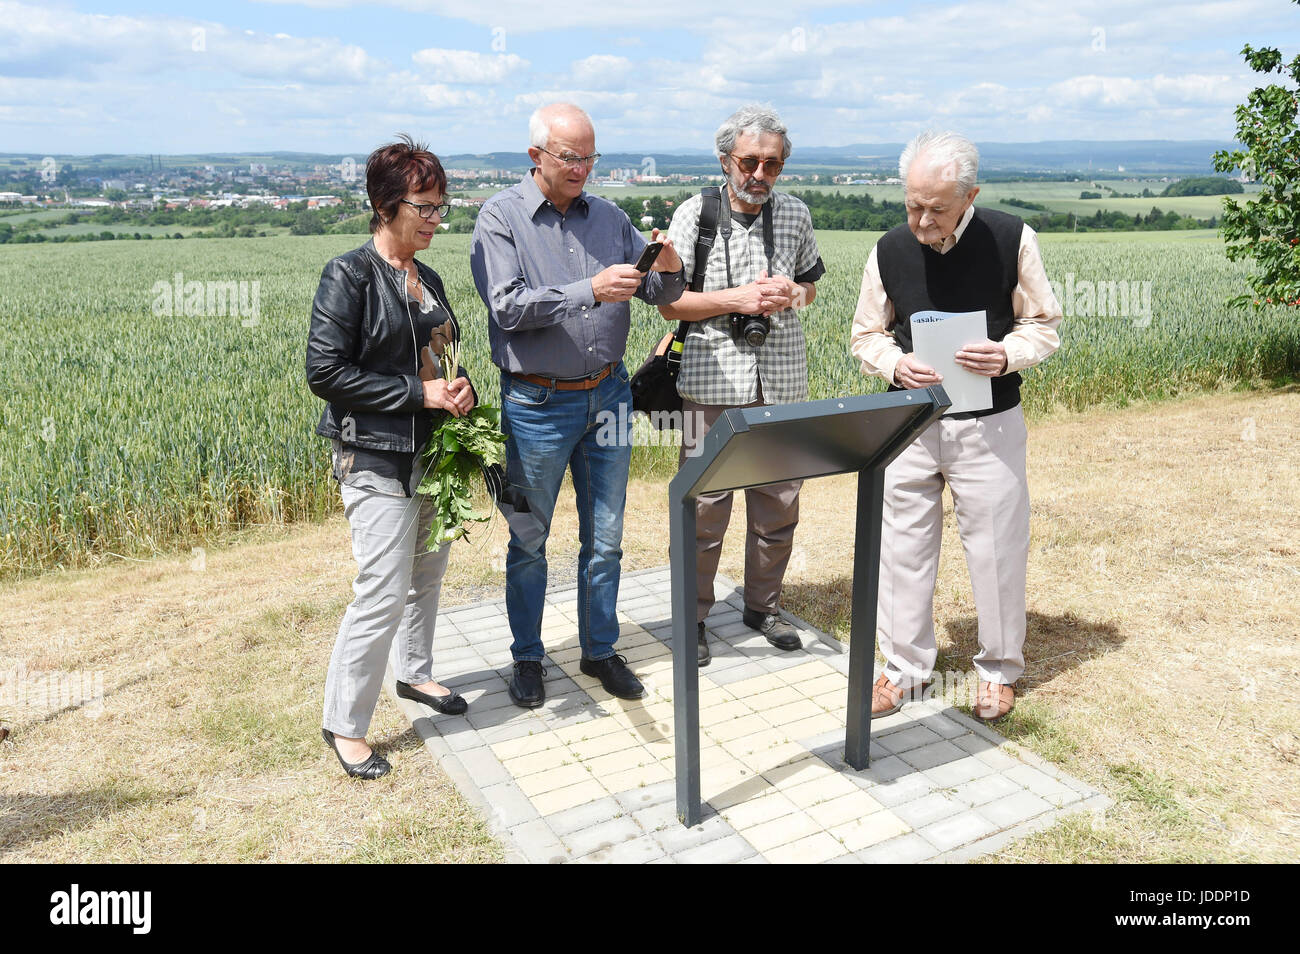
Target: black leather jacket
[363,354]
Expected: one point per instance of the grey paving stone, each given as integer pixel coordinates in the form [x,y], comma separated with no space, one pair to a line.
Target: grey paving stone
[656,817]
[950,774]
[538,843]
[905,849]
[731,674]
[973,743]
[839,662]
[881,771]
[1013,809]
[483,719]
[827,746]
[998,759]
[657,794]
[986,789]
[905,788]
[584,841]
[912,737]
[509,806]
[584,816]
[510,730]
[928,809]
[1039,782]
[782,660]
[815,647]
[677,838]
[483,767]
[638,851]
[464,741]
[957,830]
[845,860]
[720,852]
[458,617]
[943,726]
[731,631]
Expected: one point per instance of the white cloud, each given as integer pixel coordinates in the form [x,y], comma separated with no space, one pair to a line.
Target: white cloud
[467,66]
[50,42]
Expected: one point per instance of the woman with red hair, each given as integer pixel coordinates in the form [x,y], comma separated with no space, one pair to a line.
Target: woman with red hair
[379,324]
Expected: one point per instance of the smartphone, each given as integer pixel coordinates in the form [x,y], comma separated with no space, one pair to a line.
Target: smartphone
[648,256]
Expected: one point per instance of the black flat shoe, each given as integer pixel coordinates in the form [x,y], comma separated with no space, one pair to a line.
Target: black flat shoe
[451,704]
[374,767]
[614,675]
[777,631]
[526,688]
[702,654]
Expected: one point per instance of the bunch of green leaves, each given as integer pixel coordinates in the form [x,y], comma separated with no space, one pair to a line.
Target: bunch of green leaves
[1266,229]
[460,450]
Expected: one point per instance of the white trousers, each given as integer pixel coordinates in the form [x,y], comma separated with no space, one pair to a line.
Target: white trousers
[982,460]
[394,610]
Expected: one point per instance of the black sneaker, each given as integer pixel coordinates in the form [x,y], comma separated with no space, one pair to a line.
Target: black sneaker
[614,676]
[702,653]
[526,688]
[777,631]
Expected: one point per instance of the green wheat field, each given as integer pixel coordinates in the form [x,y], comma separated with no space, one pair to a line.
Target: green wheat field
[128,430]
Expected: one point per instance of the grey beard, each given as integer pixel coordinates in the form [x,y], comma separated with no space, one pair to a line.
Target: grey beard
[751,197]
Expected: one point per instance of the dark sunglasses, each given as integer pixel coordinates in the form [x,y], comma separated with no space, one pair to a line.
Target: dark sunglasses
[748,164]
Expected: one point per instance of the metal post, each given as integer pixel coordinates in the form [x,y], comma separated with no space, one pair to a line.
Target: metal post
[862,635]
[686,670]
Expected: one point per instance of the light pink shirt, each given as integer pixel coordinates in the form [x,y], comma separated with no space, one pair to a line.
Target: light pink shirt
[1032,337]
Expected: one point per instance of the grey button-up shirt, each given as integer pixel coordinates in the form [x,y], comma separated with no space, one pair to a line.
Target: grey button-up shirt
[533,266]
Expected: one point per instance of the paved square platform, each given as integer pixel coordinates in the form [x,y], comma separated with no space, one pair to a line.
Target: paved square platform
[589,778]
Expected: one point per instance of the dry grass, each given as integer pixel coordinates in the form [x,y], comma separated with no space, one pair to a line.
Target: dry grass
[1162,652]
[1162,648]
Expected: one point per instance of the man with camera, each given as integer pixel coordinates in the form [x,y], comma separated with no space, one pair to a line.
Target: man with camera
[745,346]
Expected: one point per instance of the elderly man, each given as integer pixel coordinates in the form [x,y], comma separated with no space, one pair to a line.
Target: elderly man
[745,348]
[954,257]
[552,264]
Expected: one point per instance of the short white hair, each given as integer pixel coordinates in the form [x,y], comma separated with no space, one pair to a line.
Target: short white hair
[943,149]
[539,123]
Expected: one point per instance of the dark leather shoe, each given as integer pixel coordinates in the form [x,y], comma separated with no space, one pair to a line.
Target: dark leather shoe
[614,676]
[526,688]
[374,767]
[702,653]
[777,631]
[450,704]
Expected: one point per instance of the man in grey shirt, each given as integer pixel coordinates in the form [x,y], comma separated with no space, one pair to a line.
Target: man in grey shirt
[552,264]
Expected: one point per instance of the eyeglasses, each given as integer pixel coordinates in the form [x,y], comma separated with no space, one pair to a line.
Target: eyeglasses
[425,210]
[577,162]
[748,164]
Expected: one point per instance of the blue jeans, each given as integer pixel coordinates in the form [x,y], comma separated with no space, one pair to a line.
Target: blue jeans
[548,431]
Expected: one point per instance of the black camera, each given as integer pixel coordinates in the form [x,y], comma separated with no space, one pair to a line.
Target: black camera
[752,329]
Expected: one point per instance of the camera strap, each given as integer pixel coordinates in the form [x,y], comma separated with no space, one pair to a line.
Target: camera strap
[706,233]
[769,239]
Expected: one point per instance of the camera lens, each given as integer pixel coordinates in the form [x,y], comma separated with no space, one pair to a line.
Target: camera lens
[755,335]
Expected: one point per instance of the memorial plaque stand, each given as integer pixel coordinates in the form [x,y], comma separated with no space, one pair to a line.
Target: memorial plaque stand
[753,447]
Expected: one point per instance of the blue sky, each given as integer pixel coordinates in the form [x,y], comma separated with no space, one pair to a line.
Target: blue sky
[90,76]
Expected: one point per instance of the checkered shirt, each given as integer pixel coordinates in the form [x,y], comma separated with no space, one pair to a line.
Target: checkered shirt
[717,370]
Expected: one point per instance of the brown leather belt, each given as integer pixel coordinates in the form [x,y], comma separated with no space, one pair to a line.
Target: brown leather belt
[567,384]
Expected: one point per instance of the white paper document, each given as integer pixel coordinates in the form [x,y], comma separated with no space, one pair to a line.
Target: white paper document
[937,336]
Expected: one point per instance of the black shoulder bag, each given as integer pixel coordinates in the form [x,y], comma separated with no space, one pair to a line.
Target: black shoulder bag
[654,386]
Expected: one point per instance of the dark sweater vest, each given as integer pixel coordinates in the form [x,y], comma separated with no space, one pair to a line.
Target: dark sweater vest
[979,273]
